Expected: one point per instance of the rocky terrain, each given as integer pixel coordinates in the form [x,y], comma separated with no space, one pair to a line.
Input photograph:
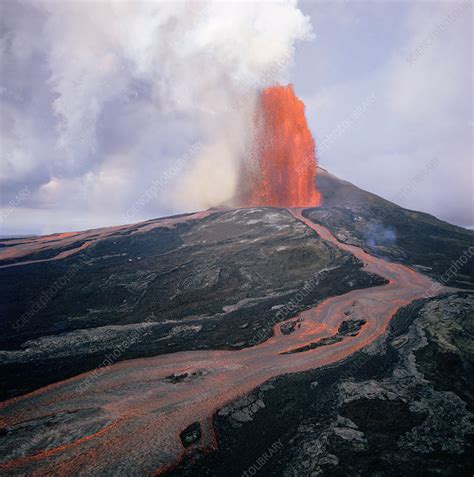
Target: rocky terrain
[402,406]
[258,359]
[211,283]
[420,240]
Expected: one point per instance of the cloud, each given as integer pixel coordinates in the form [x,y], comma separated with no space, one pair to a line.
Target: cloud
[118,91]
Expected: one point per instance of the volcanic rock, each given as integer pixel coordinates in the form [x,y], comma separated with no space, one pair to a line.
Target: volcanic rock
[191,434]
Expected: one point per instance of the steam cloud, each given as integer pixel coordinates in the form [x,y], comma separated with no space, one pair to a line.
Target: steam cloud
[129,87]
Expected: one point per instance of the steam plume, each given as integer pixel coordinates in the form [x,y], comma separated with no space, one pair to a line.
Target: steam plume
[205,61]
[103,100]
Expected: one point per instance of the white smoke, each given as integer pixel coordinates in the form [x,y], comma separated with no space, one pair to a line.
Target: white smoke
[102,99]
[218,56]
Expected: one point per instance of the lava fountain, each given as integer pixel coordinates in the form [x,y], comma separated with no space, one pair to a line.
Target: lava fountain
[281,171]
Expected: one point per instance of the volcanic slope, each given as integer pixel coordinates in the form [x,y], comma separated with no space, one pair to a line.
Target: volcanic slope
[218,279]
[211,287]
[384,229]
[116,413]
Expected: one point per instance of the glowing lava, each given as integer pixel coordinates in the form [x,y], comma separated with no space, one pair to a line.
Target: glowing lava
[282,170]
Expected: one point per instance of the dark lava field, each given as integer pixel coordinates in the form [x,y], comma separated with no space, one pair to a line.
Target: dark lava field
[400,405]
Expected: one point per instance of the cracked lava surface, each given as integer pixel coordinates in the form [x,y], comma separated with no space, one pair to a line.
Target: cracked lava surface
[127,420]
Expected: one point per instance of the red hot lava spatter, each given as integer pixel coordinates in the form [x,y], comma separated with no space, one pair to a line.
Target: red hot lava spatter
[282,169]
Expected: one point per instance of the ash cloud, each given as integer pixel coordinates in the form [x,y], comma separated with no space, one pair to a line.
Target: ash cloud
[101,98]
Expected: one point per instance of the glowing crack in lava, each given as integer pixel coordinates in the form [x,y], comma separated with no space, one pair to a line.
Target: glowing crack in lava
[282,169]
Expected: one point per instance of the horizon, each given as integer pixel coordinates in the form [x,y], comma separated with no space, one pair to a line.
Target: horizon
[224,207]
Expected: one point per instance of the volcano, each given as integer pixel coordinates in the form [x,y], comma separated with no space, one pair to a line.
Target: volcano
[331,340]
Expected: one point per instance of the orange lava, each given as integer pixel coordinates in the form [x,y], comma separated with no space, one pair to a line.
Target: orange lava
[21,249]
[145,412]
[282,171]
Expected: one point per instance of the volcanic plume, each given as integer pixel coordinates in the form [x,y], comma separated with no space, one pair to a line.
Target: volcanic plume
[282,168]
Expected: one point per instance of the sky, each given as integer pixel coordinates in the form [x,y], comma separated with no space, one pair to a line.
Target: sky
[115,112]
[391,84]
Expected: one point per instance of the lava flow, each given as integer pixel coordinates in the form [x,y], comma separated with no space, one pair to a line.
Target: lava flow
[128,420]
[60,246]
[282,169]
